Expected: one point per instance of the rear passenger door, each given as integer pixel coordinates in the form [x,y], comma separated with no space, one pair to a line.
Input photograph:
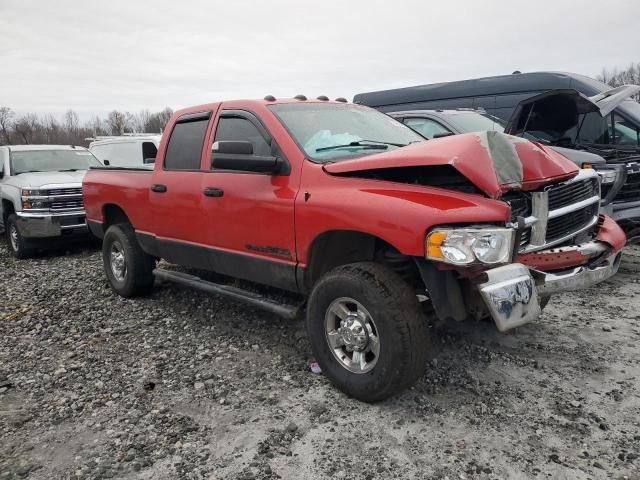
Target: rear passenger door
[176,191]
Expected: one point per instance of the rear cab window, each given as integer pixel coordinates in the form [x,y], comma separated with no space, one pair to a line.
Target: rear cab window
[185,144]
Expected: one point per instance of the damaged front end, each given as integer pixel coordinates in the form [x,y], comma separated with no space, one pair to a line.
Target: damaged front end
[562,244]
[555,239]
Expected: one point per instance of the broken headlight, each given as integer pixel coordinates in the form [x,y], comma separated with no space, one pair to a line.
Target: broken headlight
[464,246]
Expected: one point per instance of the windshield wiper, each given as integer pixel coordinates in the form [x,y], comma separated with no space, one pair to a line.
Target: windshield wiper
[29,171]
[386,143]
[353,144]
[69,170]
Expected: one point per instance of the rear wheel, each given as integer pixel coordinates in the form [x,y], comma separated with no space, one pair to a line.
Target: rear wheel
[17,243]
[128,268]
[367,330]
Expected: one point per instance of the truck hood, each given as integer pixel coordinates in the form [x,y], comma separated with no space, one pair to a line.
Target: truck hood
[558,110]
[40,179]
[492,161]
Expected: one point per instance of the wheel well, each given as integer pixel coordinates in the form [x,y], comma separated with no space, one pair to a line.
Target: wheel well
[341,247]
[113,214]
[7,209]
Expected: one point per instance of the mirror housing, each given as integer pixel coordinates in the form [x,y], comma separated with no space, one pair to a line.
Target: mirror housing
[443,134]
[238,156]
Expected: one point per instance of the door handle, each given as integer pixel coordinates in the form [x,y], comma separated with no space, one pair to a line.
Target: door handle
[158,188]
[213,192]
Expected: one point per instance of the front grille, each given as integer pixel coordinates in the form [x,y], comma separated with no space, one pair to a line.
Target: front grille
[560,227]
[573,192]
[70,204]
[560,212]
[630,191]
[64,191]
[525,237]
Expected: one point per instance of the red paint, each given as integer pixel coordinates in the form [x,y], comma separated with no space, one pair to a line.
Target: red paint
[553,260]
[290,212]
[611,233]
[466,153]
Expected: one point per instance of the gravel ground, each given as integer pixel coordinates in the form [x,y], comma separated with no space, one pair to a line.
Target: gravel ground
[184,385]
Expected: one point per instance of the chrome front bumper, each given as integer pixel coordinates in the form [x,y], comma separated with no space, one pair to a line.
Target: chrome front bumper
[512,292]
[43,225]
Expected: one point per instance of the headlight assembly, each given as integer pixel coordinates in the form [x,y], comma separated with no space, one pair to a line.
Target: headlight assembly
[464,246]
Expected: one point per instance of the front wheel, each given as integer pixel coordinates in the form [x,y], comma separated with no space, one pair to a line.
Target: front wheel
[367,330]
[128,268]
[15,240]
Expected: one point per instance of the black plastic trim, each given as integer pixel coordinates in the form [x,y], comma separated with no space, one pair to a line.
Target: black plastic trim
[265,271]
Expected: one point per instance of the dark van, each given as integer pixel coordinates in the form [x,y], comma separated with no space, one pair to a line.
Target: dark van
[558,109]
[498,96]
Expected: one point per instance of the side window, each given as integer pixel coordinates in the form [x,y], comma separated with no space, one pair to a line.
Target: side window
[624,132]
[425,126]
[241,129]
[185,145]
[149,152]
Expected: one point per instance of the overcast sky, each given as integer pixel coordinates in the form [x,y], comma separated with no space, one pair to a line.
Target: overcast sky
[98,56]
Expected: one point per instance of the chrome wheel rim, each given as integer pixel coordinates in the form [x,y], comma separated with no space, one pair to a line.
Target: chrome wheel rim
[352,335]
[13,237]
[117,261]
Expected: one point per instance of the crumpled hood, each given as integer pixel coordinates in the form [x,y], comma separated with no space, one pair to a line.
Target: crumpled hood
[39,179]
[494,162]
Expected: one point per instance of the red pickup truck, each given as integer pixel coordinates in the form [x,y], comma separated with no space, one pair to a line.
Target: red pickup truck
[378,230]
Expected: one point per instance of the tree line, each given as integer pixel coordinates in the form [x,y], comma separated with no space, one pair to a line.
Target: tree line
[31,128]
[615,77]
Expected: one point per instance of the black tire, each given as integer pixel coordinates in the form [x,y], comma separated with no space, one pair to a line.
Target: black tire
[400,322]
[137,275]
[16,242]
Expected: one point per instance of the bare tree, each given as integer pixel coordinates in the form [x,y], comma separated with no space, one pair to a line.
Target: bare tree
[71,122]
[119,122]
[25,127]
[158,121]
[616,78]
[140,121]
[6,114]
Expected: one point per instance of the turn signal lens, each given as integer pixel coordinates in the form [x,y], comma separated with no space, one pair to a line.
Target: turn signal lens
[434,243]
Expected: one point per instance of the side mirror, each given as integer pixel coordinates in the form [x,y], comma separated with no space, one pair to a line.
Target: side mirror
[106,163]
[149,161]
[236,155]
[443,134]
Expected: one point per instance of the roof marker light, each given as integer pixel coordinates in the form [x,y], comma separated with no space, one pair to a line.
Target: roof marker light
[300,97]
[341,99]
[324,98]
[270,98]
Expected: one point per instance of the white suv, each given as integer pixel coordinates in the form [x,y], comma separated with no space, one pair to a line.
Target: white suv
[127,150]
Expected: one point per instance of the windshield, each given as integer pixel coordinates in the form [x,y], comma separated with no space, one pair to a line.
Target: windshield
[333,132]
[51,161]
[476,122]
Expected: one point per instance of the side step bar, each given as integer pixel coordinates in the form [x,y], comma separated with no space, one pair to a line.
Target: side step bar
[253,299]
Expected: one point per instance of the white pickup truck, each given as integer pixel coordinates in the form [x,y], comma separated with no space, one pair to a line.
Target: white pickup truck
[41,193]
